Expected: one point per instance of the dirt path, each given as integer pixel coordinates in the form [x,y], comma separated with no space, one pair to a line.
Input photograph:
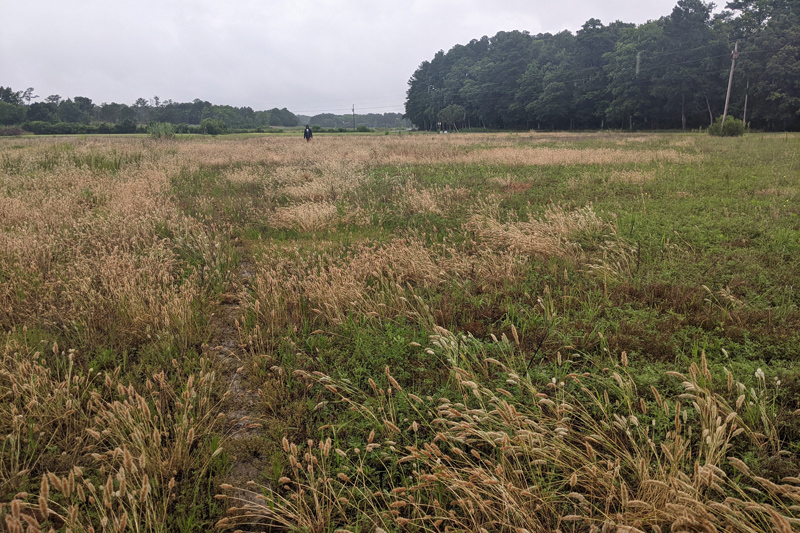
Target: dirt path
[242,428]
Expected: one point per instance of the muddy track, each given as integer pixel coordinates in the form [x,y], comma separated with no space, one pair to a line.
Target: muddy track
[241,426]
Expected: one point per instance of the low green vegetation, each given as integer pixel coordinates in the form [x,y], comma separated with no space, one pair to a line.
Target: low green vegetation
[161,130]
[732,127]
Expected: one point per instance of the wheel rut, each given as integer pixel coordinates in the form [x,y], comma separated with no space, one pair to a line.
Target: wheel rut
[241,425]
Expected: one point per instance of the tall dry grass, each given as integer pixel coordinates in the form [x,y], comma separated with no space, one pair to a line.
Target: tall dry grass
[370,279]
[106,454]
[579,235]
[342,157]
[380,280]
[95,251]
[589,452]
[384,279]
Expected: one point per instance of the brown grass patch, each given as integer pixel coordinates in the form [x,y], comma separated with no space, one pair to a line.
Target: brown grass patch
[371,279]
[547,236]
[631,177]
[435,199]
[558,233]
[328,180]
[635,139]
[683,142]
[342,157]
[309,216]
[515,156]
[245,175]
[417,200]
[85,246]
[775,191]
[509,185]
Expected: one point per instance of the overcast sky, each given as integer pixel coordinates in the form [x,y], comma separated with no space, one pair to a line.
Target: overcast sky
[312,56]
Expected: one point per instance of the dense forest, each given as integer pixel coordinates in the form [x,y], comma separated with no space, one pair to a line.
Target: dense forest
[81,115]
[670,73]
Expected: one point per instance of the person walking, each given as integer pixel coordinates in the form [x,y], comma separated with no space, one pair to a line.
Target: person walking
[307,133]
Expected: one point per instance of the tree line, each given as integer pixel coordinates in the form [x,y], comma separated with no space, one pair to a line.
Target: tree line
[670,73]
[369,120]
[80,115]
[54,113]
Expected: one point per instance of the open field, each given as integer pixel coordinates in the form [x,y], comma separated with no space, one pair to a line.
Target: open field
[408,332]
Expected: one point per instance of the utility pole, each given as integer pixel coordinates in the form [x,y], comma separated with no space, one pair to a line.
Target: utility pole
[730,82]
[744,118]
[354,117]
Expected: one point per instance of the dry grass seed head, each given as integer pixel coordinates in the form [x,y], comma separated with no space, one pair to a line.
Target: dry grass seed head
[312,216]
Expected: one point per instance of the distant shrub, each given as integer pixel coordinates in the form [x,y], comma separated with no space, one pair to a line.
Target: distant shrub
[9,131]
[40,127]
[362,129]
[161,130]
[68,128]
[36,126]
[733,127]
[126,126]
[212,126]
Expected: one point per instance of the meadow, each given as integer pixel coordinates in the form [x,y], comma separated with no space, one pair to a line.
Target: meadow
[464,332]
